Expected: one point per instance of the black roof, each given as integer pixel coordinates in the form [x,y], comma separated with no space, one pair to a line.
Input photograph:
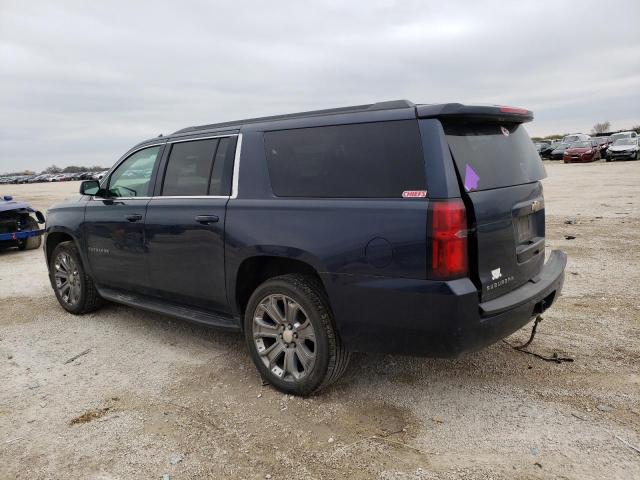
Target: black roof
[390,105]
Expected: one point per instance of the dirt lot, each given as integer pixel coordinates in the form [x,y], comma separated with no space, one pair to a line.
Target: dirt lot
[154,396]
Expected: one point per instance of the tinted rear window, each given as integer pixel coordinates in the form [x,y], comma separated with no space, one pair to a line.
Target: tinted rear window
[488,155]
[200,167]
[189,168]
[367,160]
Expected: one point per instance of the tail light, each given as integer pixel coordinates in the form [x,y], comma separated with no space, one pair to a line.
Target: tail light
[448,239]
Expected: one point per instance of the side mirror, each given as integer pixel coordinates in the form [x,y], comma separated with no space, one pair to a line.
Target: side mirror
[89,187]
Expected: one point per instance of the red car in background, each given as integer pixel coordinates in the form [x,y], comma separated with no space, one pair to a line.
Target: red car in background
[583,151]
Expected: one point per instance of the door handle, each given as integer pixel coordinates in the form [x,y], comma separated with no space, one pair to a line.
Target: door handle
[207,219]
[134,217]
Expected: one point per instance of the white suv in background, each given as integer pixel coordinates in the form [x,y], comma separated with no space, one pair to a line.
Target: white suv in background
[576,137]
[618,135]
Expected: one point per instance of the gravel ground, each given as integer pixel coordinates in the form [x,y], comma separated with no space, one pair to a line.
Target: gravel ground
[152,396]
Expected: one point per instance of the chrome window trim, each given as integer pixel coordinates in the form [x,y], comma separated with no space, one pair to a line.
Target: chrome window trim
[203,138]
[236,168]
[178,197]
[168,197]
[102,199]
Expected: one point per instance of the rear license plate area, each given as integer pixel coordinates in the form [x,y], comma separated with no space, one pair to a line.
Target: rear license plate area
[524,229]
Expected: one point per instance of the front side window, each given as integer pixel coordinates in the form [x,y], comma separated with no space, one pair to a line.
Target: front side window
[367,160]
[132,178]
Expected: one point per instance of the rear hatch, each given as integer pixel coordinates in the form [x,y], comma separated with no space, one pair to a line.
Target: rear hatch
[499,171]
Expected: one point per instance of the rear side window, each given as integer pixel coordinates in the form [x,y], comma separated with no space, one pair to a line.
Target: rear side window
[368,160]
[490,155]
[200,167]
[189,168]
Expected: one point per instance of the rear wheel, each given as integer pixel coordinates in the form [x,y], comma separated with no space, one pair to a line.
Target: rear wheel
[74,289]
[290,334]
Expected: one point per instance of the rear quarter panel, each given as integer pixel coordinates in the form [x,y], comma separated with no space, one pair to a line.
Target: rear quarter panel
[337,237]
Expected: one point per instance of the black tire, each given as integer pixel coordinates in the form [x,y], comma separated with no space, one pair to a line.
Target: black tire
[88,299]
[30,243]
[331,357]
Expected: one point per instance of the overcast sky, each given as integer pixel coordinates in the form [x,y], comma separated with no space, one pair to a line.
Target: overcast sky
[81,82]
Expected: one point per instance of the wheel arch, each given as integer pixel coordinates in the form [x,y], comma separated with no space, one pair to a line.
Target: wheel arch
[56,237]
[255,270]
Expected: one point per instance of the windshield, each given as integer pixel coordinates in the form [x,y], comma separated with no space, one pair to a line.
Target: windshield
[625,141]
[615,136]
[560,146]
[581,145]
[491,155]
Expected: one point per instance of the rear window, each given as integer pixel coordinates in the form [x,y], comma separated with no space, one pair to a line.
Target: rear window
[368,160]
[489,155]
[189,168]
[200,168]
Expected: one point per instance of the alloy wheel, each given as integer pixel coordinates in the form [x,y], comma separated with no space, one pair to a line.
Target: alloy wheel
[67,279]
[284,337]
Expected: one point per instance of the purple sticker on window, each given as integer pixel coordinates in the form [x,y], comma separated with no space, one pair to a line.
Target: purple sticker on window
[470,179]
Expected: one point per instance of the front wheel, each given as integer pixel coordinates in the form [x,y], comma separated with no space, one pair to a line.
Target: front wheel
[74,289]
[290,333]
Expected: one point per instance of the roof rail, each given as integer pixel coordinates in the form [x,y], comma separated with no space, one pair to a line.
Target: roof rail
[389,105]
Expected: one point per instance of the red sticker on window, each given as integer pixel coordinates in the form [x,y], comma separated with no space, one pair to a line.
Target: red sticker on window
[414,194]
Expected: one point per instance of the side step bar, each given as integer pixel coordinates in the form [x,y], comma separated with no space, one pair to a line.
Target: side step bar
[183,312]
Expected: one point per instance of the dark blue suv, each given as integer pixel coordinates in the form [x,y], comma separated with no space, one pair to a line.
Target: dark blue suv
[391,227]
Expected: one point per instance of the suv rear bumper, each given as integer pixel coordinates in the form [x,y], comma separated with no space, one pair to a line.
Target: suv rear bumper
[431,318]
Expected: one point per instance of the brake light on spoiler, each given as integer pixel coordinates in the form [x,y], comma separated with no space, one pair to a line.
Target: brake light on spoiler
[448,239]
[489,113]
[515,110]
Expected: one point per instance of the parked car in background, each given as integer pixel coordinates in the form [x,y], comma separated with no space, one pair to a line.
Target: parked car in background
[558,151]
[22,179]
[581,152]
[629,134]
[18,227]
[37,178]
[603,144]
[623,149]
[576,137]
[545,151]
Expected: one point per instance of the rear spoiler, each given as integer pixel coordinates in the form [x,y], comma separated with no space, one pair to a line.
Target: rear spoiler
[482,113]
